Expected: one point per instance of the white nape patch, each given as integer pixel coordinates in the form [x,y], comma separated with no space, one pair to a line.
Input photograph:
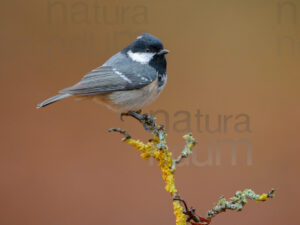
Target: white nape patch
[164,79]
[141,57]
[139,37]
[122,75]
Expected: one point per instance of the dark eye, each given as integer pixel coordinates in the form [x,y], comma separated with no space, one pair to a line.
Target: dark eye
[147,50]
[159,77]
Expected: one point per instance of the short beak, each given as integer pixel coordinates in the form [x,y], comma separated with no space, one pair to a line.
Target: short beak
[163,52]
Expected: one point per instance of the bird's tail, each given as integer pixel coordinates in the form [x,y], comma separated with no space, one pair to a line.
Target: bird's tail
[53,99]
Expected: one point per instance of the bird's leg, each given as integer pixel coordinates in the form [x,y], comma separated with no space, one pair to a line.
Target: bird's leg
[133,114]
[147,121]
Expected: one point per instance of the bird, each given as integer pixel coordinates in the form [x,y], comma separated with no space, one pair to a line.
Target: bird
[126,82]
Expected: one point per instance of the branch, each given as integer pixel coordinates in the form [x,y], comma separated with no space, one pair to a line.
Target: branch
[190,143]
[238,201]
[157,148]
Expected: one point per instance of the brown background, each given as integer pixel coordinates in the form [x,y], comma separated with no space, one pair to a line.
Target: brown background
[60,166]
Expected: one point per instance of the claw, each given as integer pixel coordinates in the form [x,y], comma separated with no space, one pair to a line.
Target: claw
[148,122]
[121,116]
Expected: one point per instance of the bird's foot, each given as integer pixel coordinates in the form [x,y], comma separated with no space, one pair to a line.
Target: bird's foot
[147,120]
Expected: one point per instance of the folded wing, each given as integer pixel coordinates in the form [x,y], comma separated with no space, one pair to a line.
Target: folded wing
[106,79]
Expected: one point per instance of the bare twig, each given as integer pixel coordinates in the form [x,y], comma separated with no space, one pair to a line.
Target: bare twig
[119,130]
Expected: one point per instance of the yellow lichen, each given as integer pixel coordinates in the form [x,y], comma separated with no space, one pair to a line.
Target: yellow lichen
[157,149]
[263,197]
[165,162]
[178,212]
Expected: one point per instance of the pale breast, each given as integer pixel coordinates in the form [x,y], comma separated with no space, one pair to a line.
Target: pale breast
[130,100]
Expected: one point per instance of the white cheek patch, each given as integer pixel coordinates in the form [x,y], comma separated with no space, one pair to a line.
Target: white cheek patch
[141,57]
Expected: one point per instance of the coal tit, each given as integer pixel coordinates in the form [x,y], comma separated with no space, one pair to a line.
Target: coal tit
[129,80]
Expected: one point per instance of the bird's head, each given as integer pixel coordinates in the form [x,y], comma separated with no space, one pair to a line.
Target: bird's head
[146,49]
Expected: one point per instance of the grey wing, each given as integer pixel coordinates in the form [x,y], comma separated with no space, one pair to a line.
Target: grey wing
[106,79]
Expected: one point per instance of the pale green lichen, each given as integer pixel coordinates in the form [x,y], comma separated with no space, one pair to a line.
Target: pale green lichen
[238,201]
[157,148]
